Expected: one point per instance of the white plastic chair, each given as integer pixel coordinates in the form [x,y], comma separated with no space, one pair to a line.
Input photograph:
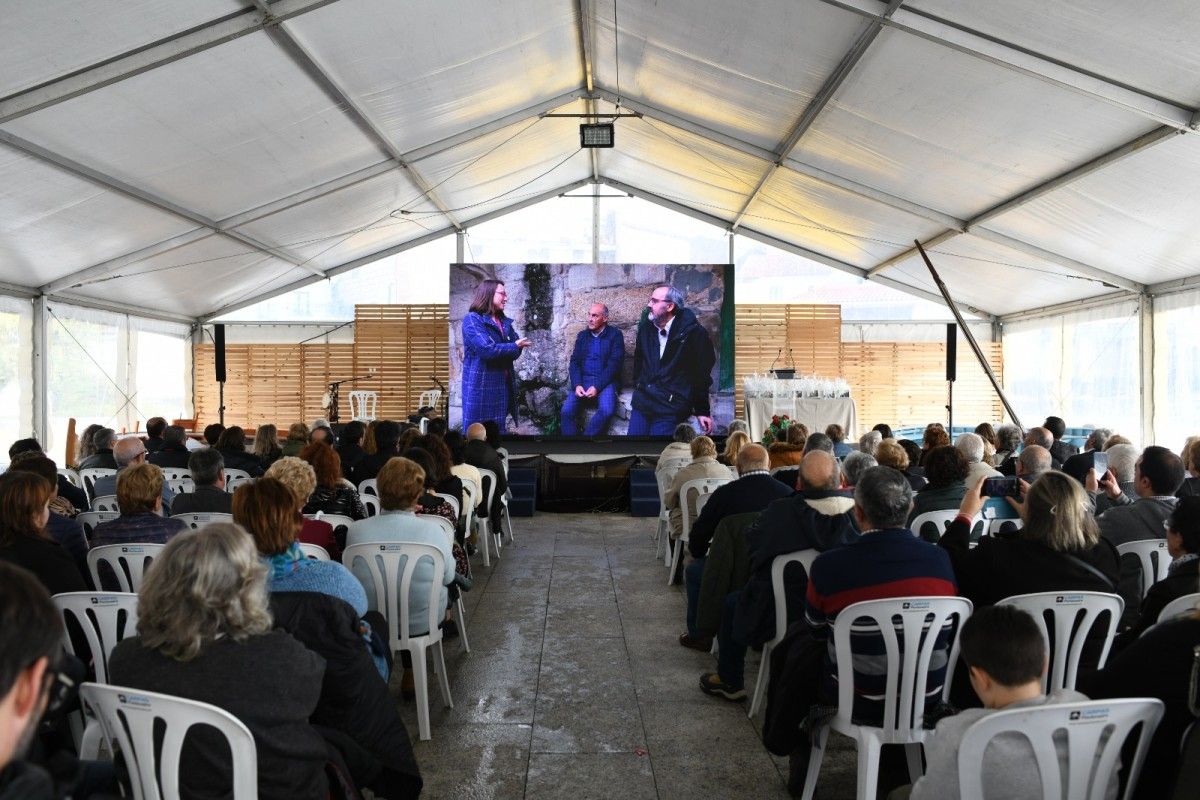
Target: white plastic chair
[1154,559]
[469,501]
[128,718]
[90,519]
[199,519]
[392,566]
[105,502]
[429,398]
[942,520]
[333,519]
[175,473]
[664,476]
[72,476]
[455,502]
[105,619]
[805,559]
[181,485]
[917,622]
[1094,733]
[362,405]
[127,561]
[370,503]
[235,478]
[314,552]
[369,486]
[90,475]
[1179,606]
[688,501]
[489,529]
[1073,614]
[996,526]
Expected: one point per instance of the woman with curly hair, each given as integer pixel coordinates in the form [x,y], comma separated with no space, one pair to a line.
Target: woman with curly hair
[935,436]
[946,471]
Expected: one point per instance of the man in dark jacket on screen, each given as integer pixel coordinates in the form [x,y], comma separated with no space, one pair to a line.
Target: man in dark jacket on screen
[595,371]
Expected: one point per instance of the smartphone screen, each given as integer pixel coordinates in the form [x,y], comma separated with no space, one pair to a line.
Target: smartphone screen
[1002,487]
[1100,464]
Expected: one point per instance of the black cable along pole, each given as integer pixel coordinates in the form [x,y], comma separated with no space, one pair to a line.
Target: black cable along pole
[962,324]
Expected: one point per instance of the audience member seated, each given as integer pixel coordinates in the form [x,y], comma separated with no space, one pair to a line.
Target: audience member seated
[837,434]
[102,451]
[868,442]
[972,447]
[739,425]
[1097,439]
[703,465]
[61,528]
[408,435]
[753,491]
[1060,450]
[1034,436]
[891,454]
[854,466]
[139,496]
[430,503]
[174,453]
[790,451]
[387,437]
[482,455]
[986,432]
[349,447]
[232,446]
[1156,476]
[946,471]
[679,447]
[297,439]
[817,517]
[437,426]
[1033,463]
[24,540]
[401,484]
[207,467]
[733,443]
[465,472]
[818,441]
[914,457]
[299,476]
[68,493]
[129,452]
[885,431]
[331,496]
[1183,545]
[935,436]
[1122,459]
[492,433]
[86,444]
[266,446]
[205,633]
[1005,656]
[154,434]
[1191,464]
[1008,442]
[212,434]
[444,479]
[323,434]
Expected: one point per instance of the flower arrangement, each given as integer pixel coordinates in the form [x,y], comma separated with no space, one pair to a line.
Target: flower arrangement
[777,430]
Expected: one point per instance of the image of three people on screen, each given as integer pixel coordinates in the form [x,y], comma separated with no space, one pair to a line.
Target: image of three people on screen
[672,370]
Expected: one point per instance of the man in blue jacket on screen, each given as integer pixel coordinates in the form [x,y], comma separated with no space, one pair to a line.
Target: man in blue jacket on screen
[595,372]
[672,368]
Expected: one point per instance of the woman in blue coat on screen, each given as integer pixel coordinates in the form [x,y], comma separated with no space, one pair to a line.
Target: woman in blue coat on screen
[490,346]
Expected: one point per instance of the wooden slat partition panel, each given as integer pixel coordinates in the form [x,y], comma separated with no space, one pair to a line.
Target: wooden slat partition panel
[406,346]
[813,334]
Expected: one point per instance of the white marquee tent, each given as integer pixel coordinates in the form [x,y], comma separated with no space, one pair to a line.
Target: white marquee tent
[178,160]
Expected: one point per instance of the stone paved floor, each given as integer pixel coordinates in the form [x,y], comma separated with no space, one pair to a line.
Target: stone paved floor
[576,687]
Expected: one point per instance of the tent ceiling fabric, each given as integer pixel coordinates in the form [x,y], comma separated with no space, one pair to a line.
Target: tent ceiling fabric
[259,151]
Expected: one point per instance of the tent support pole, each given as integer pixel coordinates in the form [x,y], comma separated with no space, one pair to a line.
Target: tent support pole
[1146,364]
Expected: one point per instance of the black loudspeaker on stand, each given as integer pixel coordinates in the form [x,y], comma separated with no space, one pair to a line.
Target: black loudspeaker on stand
[219,363]
[951,372]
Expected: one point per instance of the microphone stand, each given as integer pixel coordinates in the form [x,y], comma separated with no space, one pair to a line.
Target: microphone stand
[333,395]
[445,398]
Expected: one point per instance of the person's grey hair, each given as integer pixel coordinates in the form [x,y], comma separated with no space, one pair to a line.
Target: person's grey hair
[753,457]
[1008,437]
[1098,437]
[103,439]
[319,422]
[884,496]
[818,441]
[1039,436]
[971,446]
[869,442]
[739,425]
[1121,460]
[1035,461]
[173,434]
[204,585]
[206,465]
[675,296]
[684,433]
[856,464]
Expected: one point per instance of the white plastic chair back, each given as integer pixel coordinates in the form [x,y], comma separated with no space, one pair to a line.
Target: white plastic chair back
[90,475]
[72,476]
[370,503]
[369,486]
[335,520]
[363,404]
[442,523]
[1073,614]
[1093,732]
[235,478]
[1153,557]
[666,472]
[90,519]
[942,520]
[129,717]
[488,526]
[470,500]
[105,619]
[429,398]
[181,485]
[1179,606]
[127,561]
[314,552]
[805,559]
[175,473]
[689,498]
[454,502]
[199,519]
[106,502]
[996,526]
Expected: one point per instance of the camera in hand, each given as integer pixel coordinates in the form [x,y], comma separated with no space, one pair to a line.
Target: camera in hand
[1002,487]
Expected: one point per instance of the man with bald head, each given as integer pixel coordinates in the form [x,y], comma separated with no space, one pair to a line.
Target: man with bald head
[753,491]
[481,455]
[129,452]
[1034,437]
[595,374]
[818,516]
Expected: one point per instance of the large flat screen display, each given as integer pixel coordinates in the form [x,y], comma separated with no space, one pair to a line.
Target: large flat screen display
[592,350]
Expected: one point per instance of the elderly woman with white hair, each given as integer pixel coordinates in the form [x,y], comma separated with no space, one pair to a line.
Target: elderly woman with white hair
[205,633]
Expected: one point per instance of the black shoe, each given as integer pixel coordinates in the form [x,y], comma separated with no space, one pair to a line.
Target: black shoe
[711,683]
[449,629]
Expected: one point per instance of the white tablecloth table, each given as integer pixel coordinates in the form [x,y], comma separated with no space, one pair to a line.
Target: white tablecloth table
[815,412]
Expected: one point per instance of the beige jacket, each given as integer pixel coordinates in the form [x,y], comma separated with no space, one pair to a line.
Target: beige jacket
[703,467]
